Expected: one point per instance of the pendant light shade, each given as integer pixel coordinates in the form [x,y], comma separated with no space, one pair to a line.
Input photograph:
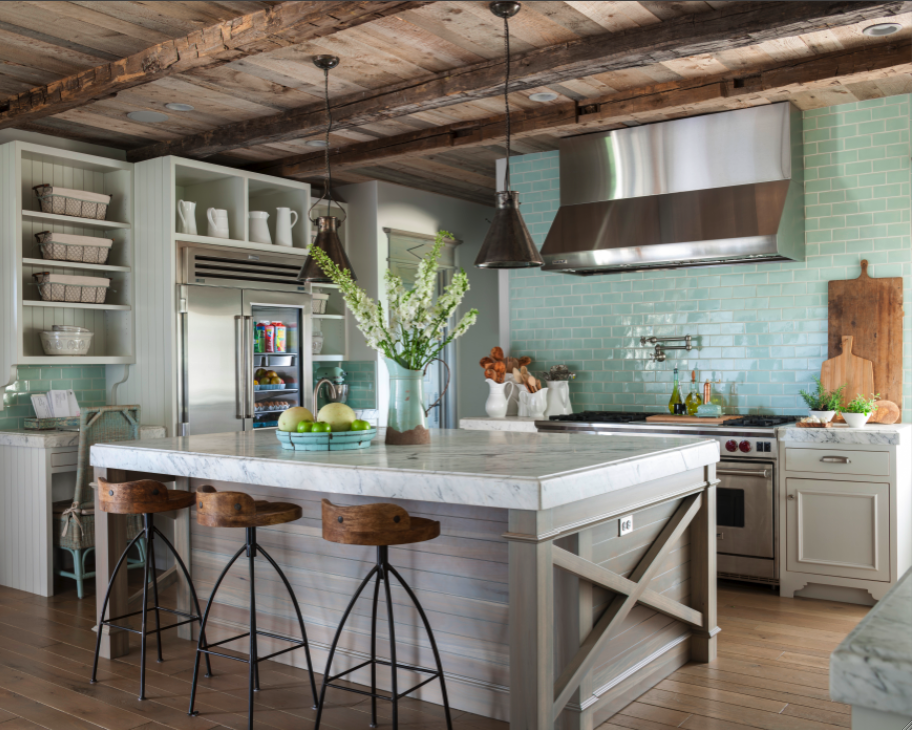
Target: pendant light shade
[327,238]
[508,244]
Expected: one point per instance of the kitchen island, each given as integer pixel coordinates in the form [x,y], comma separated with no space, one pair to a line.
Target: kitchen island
[544,612]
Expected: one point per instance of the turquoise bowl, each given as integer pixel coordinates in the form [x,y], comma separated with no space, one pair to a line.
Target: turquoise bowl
[346,441]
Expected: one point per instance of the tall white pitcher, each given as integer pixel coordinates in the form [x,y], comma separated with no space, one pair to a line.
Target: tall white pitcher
[284,224]
[496,405]
[186,211]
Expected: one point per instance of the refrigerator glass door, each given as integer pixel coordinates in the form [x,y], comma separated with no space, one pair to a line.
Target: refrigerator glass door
[213,397]
[281,370]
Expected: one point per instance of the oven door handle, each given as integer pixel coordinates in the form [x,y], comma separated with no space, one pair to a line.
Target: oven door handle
[765,473]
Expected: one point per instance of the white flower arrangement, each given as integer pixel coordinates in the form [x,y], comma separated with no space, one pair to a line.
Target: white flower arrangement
[416,329]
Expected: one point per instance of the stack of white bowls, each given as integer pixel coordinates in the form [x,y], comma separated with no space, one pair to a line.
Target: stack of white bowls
[67,340]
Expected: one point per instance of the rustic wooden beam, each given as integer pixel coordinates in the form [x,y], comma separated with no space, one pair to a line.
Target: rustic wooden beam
[285,24]
[732,27]
[694,95]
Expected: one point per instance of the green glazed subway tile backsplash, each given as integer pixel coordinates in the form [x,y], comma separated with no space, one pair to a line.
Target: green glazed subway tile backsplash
[760,329]
[361,379]
[88,382]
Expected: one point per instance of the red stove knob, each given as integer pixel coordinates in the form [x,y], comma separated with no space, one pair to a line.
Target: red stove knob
[731,445]
[745,446]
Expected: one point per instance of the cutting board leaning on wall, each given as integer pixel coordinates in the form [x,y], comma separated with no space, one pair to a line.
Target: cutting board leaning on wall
[871,312]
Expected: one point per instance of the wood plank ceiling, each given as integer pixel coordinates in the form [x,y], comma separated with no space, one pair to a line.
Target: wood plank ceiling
[417,92]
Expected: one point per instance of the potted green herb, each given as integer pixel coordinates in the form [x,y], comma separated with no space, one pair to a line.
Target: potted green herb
[857,412]
[823,403]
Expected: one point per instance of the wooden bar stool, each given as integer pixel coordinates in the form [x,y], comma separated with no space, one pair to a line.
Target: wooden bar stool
[236,509]
[147,498]
[380,525]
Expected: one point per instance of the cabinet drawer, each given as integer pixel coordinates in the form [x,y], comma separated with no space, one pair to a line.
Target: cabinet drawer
[65,458]
[834,461]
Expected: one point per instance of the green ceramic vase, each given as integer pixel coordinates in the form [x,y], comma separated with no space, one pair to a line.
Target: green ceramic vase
[407,422]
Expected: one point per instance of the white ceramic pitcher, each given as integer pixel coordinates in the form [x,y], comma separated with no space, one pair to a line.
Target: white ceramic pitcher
[218,223]
[558,398]
[533,405]
[284,224]
[259,228]
[186,211]
[496,404]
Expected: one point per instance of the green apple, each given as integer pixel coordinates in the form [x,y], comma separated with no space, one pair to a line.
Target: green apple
[360,425]
[320,427]
[305,427]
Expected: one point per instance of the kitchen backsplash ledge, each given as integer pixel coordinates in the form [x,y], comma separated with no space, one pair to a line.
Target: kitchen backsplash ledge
[759,328]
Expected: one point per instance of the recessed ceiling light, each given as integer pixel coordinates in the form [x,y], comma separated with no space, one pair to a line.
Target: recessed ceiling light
[175,107]
[881,29]
[148,117]
[543,96]
[316,143]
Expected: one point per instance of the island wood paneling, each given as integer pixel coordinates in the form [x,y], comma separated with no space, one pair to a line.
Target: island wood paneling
[461,579]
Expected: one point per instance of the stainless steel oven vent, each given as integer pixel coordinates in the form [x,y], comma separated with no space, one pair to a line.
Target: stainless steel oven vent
[241,269]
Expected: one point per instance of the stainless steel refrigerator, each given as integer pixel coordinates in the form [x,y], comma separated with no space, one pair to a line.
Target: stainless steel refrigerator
[223,297]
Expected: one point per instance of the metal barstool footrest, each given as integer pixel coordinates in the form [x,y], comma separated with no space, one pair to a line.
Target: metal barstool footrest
[389,698]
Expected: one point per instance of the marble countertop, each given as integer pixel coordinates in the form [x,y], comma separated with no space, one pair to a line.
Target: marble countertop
[483,468]
[872,434]
[511,423]
[62,439]
[872,667]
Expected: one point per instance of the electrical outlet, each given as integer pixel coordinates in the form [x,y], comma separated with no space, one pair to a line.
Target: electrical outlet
[626,523]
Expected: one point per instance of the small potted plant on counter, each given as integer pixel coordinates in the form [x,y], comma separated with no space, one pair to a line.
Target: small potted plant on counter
[857,412]
[822,403]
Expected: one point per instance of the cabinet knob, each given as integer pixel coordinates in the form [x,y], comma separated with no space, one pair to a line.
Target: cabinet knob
[791,496]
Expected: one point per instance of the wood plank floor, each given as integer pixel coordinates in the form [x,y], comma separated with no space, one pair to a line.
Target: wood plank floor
[771,673]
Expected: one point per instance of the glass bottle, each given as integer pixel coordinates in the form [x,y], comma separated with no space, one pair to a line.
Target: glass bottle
[694,400]
[675,399]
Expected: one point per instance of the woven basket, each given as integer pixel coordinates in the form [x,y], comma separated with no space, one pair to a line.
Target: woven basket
[64,288]
[70,205]
[63,247]
[77,531]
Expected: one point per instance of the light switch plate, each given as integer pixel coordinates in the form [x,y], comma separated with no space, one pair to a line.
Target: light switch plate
[626,524]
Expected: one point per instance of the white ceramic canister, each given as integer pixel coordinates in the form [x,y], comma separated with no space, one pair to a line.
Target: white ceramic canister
[259,226]
[499,393]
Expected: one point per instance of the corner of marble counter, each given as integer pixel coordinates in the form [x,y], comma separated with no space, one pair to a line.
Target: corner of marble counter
[510,423]
[875,434]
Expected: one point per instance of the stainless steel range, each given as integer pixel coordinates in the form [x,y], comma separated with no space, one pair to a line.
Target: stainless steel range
[746,511]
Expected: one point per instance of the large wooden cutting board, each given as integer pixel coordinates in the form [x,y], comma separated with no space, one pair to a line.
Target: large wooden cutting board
[671,418]
[871,311]
[855,372]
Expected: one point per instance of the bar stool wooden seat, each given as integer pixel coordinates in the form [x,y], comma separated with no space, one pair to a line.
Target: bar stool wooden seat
[147,498]
[236,509]
[380,525]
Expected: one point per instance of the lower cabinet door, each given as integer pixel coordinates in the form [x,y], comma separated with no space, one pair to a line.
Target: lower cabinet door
[838,528]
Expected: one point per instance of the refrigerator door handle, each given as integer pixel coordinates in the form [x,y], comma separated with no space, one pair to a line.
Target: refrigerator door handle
[240,368]
[250,398]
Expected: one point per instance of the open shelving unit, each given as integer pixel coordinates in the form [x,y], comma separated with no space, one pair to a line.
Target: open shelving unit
[25,315]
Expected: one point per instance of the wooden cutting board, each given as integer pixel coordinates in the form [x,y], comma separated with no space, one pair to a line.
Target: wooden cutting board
[871,311]
[660,418]
[846,368]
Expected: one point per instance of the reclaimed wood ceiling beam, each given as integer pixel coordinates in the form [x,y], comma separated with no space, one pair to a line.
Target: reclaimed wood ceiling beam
[731,27]
[683,97]
[285,24]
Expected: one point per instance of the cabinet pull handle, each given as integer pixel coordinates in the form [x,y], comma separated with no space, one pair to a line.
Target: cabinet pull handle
[835,459]
[791,496]
[744,473]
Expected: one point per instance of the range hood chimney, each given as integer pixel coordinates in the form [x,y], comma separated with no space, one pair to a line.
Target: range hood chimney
[723,188]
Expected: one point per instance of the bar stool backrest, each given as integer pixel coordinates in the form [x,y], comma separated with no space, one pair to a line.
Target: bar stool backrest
[132,498]
[221,509]
[369,524]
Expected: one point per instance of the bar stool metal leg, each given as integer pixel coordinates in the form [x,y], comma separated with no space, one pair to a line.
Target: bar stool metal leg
[254,680]
[374,653]
[149,529]
[383,559]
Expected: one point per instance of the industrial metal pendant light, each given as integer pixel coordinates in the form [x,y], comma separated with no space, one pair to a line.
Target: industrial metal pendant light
[508,244]
[327,225]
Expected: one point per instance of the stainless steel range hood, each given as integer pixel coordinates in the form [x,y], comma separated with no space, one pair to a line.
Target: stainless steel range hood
[718,189]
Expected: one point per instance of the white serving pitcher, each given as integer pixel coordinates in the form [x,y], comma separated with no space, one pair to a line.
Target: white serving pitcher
[558,398]
[186,211]
[533,405]
[284,224]
[496,405]
[259,228]
[218,223]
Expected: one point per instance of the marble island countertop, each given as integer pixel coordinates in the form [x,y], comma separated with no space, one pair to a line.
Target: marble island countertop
[872,667]
[484,468]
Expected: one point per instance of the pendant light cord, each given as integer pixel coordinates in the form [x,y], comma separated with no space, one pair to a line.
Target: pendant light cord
[507,99]
[327,178]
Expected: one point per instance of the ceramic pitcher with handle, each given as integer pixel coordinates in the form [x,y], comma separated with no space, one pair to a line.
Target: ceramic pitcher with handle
[499,394]
[533,405]
[558,398]
[259,227]
[186,212]
[284,224]
[218,223]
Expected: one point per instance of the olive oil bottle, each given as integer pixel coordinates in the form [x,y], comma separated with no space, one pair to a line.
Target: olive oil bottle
[693,400]
[676,401]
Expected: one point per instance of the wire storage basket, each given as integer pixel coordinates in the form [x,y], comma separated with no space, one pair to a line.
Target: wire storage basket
[76,203]
[65,288]
[67,247]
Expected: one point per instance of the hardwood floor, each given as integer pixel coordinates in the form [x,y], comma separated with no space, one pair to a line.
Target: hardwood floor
[771,674]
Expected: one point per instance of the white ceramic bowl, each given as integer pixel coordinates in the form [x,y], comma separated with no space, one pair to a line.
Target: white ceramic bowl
[70,328]
[856,420]
[66,343]
[825,416]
